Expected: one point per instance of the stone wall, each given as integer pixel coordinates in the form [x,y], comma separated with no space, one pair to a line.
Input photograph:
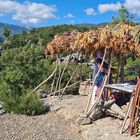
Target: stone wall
[85,88]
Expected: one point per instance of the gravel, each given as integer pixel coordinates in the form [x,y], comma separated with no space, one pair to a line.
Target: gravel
[45,127]
[60,124]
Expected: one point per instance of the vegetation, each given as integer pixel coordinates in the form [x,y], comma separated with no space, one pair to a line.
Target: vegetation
[124,64]
[6,32]
[23,66]
[41,36]
[22,69]
[124,17]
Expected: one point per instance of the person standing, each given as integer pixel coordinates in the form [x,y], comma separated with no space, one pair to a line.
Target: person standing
[100,78]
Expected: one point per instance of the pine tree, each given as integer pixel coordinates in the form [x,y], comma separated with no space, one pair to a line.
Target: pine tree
[6,32]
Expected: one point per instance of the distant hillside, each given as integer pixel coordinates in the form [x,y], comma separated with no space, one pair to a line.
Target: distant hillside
[87,25]
[45,34]
[42,35]
[15,29]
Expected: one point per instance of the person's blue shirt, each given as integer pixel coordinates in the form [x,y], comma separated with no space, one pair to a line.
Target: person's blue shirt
[99,79]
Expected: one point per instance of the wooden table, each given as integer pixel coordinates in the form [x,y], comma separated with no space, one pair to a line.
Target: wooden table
[125,87]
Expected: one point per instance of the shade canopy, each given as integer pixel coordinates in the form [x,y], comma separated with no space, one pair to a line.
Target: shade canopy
[121,39]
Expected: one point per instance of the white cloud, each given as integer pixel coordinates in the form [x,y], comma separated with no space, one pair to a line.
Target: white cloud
[109,7]
[90,11]
[69,15]
[27,12]
[133,6]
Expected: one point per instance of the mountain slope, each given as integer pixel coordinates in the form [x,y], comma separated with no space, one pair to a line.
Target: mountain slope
[15,29]
[87,25]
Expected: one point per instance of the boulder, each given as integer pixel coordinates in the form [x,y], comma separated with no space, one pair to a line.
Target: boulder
[2,111]
[42,93]
[84,121]
[1,106]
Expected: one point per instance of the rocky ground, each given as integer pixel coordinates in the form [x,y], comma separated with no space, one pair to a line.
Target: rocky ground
[60,124]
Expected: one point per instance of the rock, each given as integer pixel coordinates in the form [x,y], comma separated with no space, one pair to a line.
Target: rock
[118,111]
[46,105]
[33,113]
[55,108]
[100,110]
[84,121]
[1,106]
[85,88]
[2,111]
[83,115]
[42,93]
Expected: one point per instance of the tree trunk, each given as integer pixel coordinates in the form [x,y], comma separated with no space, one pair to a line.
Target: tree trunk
[118,69]
[122,69]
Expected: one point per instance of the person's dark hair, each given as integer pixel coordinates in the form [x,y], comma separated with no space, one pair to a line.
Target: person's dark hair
[105,65]
[98,61]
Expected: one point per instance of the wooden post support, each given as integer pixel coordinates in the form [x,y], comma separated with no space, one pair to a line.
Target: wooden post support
[90,96]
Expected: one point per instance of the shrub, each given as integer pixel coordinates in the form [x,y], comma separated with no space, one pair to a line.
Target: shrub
[20,104]
[22,69]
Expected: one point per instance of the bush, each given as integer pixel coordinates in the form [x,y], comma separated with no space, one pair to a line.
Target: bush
[20,104]
[22,69]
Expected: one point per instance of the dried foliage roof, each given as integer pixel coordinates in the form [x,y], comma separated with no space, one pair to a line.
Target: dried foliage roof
[121,38]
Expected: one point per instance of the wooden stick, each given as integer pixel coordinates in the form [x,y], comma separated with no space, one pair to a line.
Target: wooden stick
[118,70]
[64,71]
[59,79]
[42,82]
[137,111]
[127,114]
[71,76]
[104,82]
[52,85]
[134,107]
[90,96]
[69,80]
[81,74]
[99,97]
[135,122]
[58,62]
[66,88]
[59,70]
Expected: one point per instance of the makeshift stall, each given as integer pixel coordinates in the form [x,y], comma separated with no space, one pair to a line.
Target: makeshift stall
[112,40]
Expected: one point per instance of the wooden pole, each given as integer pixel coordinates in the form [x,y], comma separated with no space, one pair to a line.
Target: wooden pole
[118,70]
[104,82]
[42,82]
[100,95]
[66,87]
[52,85]
[71,76]
[134,104]
[69,80]
[59,72]
[90,96]
[127,114]
[122,69]
[64,71]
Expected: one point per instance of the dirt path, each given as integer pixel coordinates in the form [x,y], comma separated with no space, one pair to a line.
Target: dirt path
[60,124]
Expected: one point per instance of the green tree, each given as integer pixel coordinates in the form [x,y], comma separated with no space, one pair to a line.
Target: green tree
[126,18]
[6,32]
[22,69]
[123,17]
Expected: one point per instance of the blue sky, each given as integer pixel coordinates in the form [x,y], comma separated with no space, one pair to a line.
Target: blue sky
[38,13]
